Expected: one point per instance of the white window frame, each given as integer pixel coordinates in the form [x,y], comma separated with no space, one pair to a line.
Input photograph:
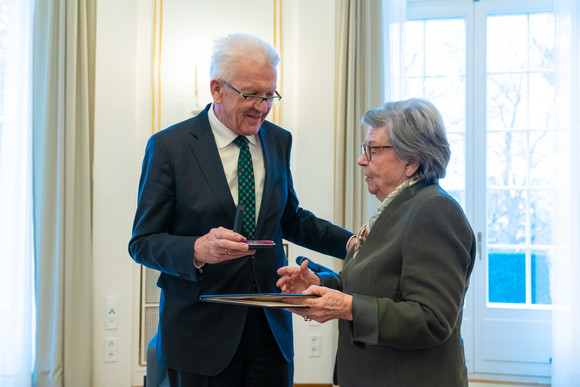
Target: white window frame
[483,354]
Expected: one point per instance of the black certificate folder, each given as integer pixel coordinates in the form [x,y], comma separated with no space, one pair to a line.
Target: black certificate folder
[268,300]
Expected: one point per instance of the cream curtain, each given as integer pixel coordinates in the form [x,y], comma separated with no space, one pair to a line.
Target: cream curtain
[359,87]
[63,52]
[566,261]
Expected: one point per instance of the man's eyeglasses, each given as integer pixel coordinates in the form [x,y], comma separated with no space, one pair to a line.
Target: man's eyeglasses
[270,101]
[368,150]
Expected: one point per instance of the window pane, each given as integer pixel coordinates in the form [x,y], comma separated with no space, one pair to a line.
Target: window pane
[506,159]
[541,158]
[506,217]
[17,319]
[541,216]
[505,51]
[2,82]
[435,70]
[520,161]
[442,41]
[414,48]
[3,48]
[542,100]
[541,278]
[507,101]
[541,41]
[454,179]
[507,276]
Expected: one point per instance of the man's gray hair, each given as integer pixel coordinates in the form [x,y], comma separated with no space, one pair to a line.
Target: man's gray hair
[417,132]
[230,49]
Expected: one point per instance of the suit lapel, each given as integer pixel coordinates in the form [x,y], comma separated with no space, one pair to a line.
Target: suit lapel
[269,166]
[204,148]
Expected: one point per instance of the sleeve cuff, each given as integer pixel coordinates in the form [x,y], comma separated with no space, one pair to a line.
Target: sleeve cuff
[330,279]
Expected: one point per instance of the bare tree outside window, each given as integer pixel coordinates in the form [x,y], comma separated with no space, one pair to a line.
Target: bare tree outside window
[520,130]
[519,137]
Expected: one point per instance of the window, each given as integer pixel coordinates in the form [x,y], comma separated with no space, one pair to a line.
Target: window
[520,128]
[435,69]
[16,252]
[489,67]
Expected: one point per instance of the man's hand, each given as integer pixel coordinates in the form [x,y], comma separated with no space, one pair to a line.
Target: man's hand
[220,244]
[296,279]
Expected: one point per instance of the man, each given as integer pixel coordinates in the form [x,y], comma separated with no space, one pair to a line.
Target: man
[188,195]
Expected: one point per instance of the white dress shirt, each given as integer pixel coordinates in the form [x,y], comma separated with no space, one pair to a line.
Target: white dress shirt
[229,153]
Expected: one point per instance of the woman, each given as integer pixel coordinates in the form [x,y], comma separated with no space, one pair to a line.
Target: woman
[399,297]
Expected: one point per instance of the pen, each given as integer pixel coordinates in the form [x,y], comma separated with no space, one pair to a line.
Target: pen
[238,218]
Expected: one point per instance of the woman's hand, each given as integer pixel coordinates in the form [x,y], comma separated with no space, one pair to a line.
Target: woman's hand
[296,279]
[329,305]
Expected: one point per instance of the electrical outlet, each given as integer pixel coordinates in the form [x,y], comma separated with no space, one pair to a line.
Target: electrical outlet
[111,350]
[314,345]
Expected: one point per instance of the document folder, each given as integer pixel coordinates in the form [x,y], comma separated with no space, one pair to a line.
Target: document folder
[268,300]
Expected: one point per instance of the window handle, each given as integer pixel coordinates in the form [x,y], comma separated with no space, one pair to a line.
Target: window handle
[479,244]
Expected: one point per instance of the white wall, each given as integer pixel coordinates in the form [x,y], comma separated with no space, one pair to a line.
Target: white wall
[114,183]
[308,81]
[123,116]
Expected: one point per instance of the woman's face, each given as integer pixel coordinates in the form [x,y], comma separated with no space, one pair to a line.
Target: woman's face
[384,172]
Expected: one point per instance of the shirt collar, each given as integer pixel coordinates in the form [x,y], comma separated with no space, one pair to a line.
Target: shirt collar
[224,135]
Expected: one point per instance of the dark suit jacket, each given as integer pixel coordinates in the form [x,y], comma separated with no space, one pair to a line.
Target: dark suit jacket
[183,193]
[408,283]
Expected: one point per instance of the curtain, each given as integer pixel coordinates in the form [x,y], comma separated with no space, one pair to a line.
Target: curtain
[566,261]
[359,87]
[63,73]
[16,254]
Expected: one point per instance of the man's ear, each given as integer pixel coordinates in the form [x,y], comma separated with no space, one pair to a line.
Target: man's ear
[217,90]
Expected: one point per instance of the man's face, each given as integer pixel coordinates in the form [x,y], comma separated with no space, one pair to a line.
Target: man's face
[241,116]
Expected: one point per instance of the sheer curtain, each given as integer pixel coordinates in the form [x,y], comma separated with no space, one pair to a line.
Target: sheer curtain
[566,263]
[62,131]
[16,254]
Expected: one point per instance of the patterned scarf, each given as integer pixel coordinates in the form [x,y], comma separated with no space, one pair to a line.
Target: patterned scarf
[364,231]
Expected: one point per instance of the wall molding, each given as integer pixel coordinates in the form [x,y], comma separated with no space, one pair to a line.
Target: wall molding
[158,52]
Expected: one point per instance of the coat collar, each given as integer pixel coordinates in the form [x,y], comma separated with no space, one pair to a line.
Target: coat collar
[204,149]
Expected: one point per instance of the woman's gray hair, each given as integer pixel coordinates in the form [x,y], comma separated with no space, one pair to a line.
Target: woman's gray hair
[230,49]
[417,132]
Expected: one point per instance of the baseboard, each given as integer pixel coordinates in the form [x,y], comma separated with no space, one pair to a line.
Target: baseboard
[507,383]
[488,382]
